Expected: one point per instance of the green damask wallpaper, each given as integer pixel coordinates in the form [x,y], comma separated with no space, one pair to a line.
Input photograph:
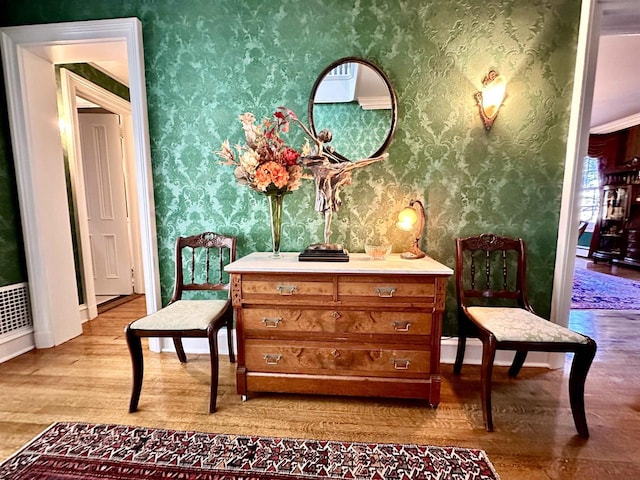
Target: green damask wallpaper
[208,62]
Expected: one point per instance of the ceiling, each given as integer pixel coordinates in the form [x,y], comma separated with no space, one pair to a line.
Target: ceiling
[616,95]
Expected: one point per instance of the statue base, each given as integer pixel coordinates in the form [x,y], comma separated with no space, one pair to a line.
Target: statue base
[324,252]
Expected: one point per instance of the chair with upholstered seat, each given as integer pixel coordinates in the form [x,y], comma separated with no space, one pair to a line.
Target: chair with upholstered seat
[492,303]
[204,256]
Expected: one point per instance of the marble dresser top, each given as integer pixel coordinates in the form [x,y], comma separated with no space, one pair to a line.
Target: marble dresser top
[358,263]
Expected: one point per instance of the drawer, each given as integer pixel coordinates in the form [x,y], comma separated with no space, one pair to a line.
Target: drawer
[633,235]
[318,358]
[386,289]
[273,320]
[286,288]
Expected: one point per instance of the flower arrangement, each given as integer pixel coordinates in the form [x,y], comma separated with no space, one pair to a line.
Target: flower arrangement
[265,163]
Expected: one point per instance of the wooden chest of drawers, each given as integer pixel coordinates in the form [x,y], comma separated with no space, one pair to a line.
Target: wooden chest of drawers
[363,327]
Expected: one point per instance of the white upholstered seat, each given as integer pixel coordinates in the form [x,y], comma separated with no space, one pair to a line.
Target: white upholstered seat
[182,315]
[519,325]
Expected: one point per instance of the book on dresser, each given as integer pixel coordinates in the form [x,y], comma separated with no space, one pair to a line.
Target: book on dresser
[361,328]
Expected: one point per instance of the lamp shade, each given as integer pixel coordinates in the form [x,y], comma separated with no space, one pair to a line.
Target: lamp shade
[489,100]
[493,95]
[407,218]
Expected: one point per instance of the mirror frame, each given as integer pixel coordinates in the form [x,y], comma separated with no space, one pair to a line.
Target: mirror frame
[392,94]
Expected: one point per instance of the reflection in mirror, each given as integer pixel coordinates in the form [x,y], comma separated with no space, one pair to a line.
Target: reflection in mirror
[355,101]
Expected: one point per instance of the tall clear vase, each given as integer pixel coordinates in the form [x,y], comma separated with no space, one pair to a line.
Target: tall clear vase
[275,212]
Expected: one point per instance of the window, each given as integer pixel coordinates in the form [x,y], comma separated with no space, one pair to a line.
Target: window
[590,190]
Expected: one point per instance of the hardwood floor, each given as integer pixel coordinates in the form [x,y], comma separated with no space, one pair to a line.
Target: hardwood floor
[611,269]
[88,379]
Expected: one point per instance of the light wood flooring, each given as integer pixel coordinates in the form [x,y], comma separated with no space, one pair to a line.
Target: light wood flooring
[88,379]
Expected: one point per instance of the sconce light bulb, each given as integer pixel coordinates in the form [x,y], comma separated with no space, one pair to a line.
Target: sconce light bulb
[407,218]
[493,95]
[490,98]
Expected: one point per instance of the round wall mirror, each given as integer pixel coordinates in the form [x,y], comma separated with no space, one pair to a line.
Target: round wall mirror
[354,99]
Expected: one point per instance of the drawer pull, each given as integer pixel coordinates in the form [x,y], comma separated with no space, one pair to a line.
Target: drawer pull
[286,289]
[400,364]
[385,292]
[271,322]
[272,359]
[399,326]
[336,315]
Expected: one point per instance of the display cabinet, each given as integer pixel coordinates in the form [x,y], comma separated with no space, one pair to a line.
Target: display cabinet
[614,211]
[617,234]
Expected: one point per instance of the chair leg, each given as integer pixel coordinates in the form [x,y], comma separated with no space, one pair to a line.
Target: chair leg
[232,355]
[462,344]
[135,349]
[213,351]
[518,361]
[177,342]
[582,360]
[488,356]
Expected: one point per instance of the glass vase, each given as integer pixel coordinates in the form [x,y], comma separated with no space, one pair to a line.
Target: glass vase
[275,213]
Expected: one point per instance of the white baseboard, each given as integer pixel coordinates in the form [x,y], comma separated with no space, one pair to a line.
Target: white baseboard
[16,344]
[473,355]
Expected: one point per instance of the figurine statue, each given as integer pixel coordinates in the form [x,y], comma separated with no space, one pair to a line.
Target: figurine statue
[330,174]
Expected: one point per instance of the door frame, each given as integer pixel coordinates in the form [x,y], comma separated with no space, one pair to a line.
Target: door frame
[29,54]
[591,27]
[73,85]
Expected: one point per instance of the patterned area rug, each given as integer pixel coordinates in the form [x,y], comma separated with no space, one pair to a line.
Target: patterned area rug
[595,290]
[89,451]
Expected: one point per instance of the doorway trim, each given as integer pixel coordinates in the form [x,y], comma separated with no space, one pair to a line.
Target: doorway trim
[73,85]
[27,50]
[591,27]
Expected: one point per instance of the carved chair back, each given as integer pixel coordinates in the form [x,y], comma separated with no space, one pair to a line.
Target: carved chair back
[491,269]
[200,262]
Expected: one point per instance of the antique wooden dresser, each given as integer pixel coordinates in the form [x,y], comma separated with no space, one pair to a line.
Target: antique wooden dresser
[363,328]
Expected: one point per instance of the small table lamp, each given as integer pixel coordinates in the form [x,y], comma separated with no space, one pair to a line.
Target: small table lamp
[407,219]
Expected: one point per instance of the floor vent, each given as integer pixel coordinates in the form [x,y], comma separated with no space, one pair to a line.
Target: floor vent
[15,314]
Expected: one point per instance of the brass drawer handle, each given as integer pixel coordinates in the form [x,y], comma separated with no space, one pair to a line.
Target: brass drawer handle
[400,364]
[271,359]
[400,326]
[385,292]
[271,322]
[286,289]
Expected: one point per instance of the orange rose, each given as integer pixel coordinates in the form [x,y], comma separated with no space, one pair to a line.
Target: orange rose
[271,172]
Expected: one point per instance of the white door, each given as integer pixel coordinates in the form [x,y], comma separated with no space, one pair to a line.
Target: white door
[106,202]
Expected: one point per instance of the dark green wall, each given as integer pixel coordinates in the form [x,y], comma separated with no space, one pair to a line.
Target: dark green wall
[97,77]
[208,62]
[12,260]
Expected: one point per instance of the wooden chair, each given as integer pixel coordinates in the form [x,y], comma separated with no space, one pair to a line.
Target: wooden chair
[492,302]
[183,318]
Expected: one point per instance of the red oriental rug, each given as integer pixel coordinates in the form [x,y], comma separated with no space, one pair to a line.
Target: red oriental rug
[104,452]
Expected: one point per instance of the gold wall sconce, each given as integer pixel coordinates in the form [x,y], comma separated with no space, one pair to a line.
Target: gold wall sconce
[407,219]
[494,89]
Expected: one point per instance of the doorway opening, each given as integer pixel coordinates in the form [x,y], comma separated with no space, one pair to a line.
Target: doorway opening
[104,195]
[29,54]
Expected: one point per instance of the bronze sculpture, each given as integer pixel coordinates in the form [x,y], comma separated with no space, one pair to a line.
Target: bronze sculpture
[330,174]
